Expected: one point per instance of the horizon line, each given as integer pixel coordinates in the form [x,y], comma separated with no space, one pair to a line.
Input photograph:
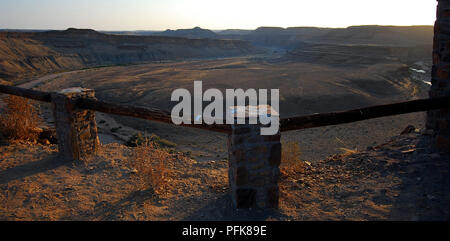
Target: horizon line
[157,30]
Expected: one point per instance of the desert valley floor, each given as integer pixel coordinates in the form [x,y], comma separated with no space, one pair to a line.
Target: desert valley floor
[304,89]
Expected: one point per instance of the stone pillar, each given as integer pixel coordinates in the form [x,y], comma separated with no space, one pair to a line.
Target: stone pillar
[439,120]
[76,129]
[253,167]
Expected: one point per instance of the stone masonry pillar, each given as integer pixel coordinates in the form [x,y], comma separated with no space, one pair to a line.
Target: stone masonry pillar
[439,120]
[76,129]
[253,167]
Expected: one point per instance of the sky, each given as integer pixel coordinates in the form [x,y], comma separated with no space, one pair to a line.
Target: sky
[211,14]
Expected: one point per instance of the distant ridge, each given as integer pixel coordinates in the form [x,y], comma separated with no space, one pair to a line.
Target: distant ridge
[289,38]
[74,32]
[194,33]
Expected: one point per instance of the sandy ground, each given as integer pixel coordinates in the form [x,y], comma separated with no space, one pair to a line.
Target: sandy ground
[401,180]
[100,189]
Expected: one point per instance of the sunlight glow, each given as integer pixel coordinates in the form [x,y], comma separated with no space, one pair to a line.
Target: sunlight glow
[212,14]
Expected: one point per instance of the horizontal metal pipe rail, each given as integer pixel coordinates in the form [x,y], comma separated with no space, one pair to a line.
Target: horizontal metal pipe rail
[143,113]
[26,93]
[287,124]
[342,117]
[112,108]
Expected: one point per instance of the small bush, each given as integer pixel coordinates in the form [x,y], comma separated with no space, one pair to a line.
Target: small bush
[141,139]
[290,159]
[166,143]
[19,119]
[348,152]
[137,140]
[290,153]
[150,169]
[291,164]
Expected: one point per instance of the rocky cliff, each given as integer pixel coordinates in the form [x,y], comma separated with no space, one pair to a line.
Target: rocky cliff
[359,54]
[26,54]
[289,38]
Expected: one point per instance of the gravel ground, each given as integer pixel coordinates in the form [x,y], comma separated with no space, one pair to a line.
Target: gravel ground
[403,179]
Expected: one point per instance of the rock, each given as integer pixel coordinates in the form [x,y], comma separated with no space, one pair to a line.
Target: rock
[427,132]
[409,151]
[49,135]
[134,171]
[408,129]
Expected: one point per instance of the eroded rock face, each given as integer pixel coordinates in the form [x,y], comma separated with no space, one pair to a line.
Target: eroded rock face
[23,54]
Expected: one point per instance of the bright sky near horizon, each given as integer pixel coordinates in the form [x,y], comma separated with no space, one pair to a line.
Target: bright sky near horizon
[211,14]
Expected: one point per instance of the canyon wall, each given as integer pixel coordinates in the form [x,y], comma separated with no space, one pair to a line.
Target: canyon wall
[23,55]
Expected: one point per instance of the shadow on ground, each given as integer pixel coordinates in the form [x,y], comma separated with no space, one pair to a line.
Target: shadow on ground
[222,209]
[425,186]
[30,169]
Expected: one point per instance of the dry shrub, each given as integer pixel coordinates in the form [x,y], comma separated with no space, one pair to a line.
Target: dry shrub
[140,138]
[19,119]
[348,152]
[149,166]
[290,159]
[290,153]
